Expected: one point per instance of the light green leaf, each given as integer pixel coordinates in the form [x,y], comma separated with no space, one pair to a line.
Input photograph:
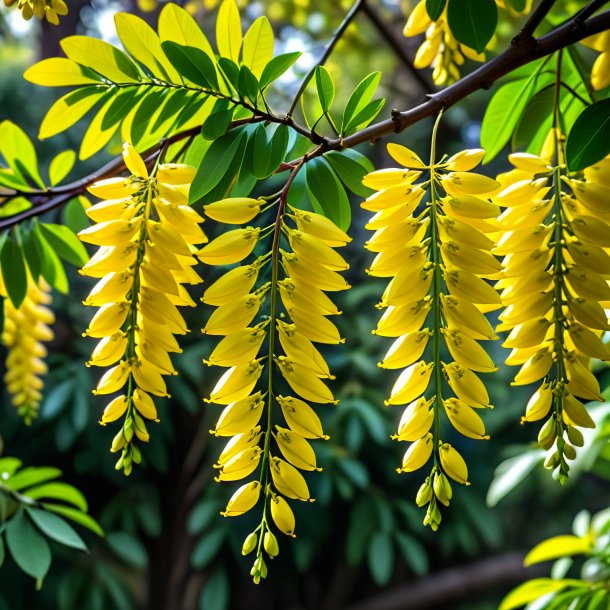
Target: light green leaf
[96,136]
[359,99]
[65,243]
[60,72]
[511,472]
[56,528]
[75,515]
[558,546]
[228,30]
[257,47]
[325,87]
[61,166]
[29,549]
[178,25]
[19,152]
[276,67]
[531,590]
[58,491]
[365,116]
[32,476]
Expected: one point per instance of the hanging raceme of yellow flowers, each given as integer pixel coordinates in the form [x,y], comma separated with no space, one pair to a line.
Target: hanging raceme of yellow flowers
[437,258]
[270,430]
[50,10]
[146,235]
[556,235]
[441,50]
[25,329]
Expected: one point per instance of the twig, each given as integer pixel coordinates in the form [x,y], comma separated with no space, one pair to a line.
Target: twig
[389,37]
[327,52]
[536,18]
[522,51]
[588,10]
[440,590]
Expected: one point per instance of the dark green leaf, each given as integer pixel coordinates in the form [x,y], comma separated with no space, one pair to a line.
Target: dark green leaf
[361,96]
[202,515]
[518,5]
[2,551]
[128,548]
[56,528]
[360,529]
[52,268]
[215,164]
[57,398]
[207,547]
[327,194]
[32,476]
[58,491]
[141,120]
[119,108]
[589,139]
[381,558]
[351,167]
[412,552]
[365,116]
[215,593]
[325,87]
[247,84]
[75,515]
[176,101]
[276,67]
[13,271]
[65,243]
[268,154]
[29,549]
[192,63]
[434,8]
[218,122]
[31,252]
[74,216]
[230,69]
[535,119]
[355,471]
[506,108]
[473,22]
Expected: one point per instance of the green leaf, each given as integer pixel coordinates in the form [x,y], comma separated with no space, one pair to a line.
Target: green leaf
[56,528]
[65,243]
[75,515]
[215,164]
[529,591]
[360,529]
[351,167]
[327,194]
[360,98]
[19,152]
[473,22]
[257,47]
[216,592]
[207,548]
[412,552]
[230,69]
[365,116]
[192,63]
[434,8]
[325,88]
[128,548]
[58,491]
[247,84]
[589,138]
[558,546]
[228,30]
[219,120]
[506,108]
[29,549]
[31,252]
[518,5]
[32,476]
[511,473]
[8,466]
[266,155]
[102,57]
[202,515]
[2,551]
[61,166]
[14,272]
[381,558]
[60,72]
[276,67]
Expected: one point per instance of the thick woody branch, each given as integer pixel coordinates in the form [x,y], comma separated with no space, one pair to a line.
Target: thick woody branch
[523,50]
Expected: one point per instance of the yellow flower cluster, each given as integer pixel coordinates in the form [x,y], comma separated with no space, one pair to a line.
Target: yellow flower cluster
[600,72]
[146,235]
[554,286]
[310,269]
[50,10]
[441,50]
[25,329]
[437,258]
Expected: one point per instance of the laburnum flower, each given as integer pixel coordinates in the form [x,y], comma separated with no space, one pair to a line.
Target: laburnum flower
[26,329]
[270,311]
[50,10]
[440,50]
[437,256]
[554,287]
[147,235]
[600,72]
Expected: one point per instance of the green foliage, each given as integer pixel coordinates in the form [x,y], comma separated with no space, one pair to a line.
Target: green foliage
[589,138]
[473,22]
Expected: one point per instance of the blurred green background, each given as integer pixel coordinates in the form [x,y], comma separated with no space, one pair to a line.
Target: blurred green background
[361,545]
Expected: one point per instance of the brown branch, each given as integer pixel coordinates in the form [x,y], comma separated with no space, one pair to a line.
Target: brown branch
[442,589]
[522,51]
[388,36]
[536,18]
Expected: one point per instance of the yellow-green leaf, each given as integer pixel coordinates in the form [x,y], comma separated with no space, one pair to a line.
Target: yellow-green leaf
[19,152]
[61,166]
[102,57]
[68,110]
[257,49]
[176,25]
[531,590]
[228,30]
[96,137]
[59,72]
[143,43]
[558,546]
